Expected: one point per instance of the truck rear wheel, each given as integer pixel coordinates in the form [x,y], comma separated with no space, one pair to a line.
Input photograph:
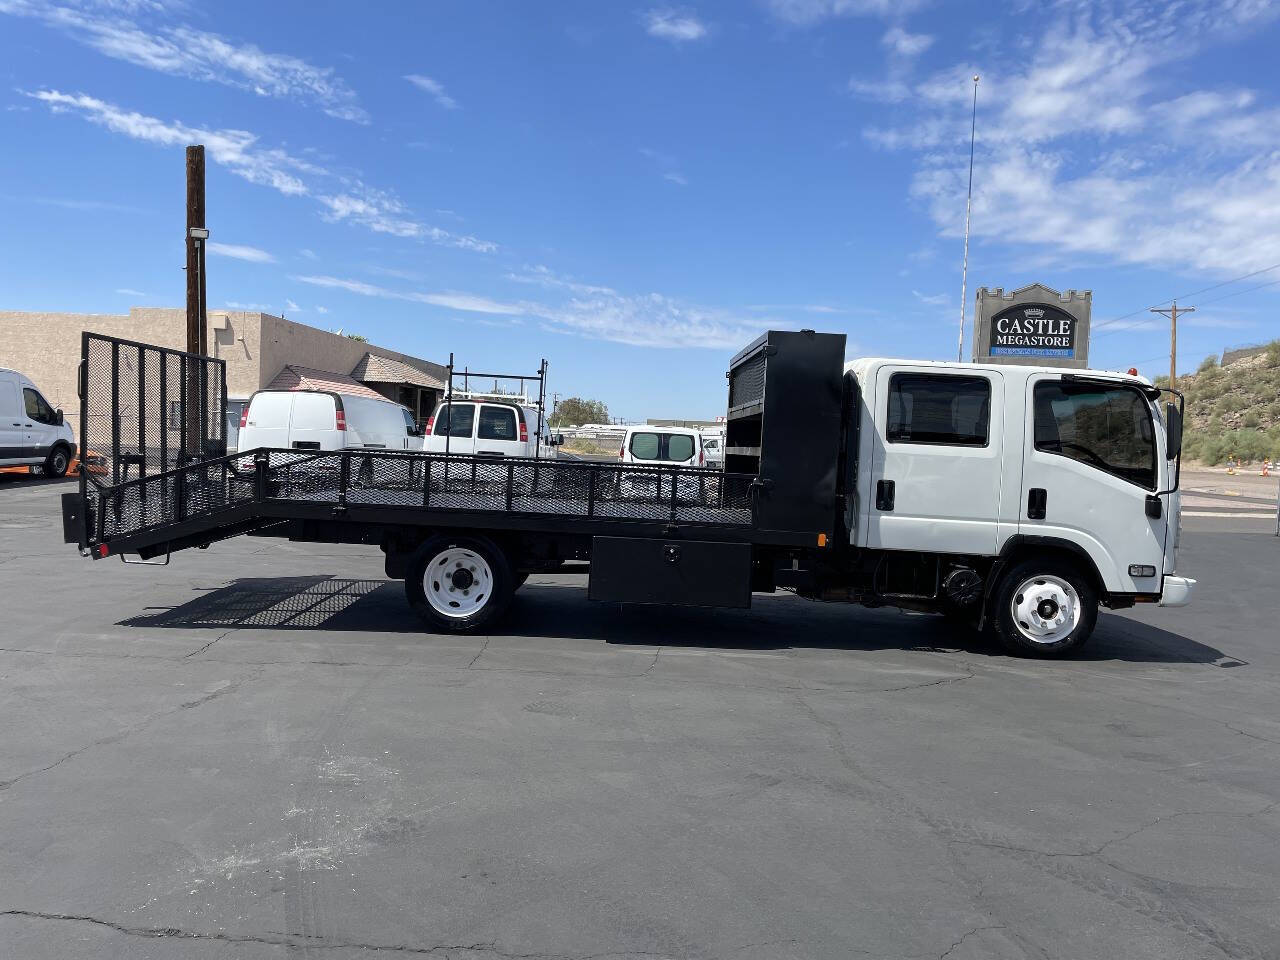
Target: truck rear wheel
[459,584]
[1044,608]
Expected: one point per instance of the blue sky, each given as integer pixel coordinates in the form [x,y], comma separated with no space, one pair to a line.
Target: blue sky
[634,191]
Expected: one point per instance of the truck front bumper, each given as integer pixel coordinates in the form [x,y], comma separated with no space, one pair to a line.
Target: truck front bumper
[1177,591]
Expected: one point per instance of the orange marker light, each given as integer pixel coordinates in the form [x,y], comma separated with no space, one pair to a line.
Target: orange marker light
[822,539]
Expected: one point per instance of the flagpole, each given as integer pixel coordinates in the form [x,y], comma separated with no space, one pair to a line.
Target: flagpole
[968,206]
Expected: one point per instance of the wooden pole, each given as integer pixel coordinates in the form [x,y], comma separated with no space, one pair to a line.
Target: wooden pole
[1172,312]
[197,342]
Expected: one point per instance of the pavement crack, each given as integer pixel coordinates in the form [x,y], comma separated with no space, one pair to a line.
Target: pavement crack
[309,942]
[195,653]
[130,730]
[480,653]
[649,669]
[931,683]
[946,953]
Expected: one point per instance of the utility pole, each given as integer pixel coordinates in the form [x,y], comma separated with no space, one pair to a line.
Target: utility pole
[968,206]
[197,334]
[1172,312]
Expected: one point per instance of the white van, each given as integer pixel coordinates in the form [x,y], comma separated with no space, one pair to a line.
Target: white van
[663,446]
[324,420]
[488,428]
[32,432]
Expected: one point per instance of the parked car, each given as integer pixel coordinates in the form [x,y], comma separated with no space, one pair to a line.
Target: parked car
[32,432]
[663,446]
[488,427]
[324,420]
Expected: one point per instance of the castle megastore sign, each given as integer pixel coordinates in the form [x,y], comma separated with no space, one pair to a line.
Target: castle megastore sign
[1033,330]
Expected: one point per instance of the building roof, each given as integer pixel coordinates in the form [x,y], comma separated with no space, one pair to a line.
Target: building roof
[308,378]
[375,368]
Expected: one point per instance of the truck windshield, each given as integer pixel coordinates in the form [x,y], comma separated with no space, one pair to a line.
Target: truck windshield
[1107,427]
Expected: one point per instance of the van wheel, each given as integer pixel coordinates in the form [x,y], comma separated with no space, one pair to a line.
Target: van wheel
[1044,608]
[459,584]
[56,465]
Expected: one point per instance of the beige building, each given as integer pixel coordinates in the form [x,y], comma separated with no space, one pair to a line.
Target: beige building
[257,348]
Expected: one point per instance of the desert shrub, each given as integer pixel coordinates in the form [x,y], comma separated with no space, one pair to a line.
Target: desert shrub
[1208,363]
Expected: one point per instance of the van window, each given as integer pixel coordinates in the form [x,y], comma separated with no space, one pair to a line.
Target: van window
[1107,427]
[37,409]
[410,425]
[497,423]
[662,446]
[456,422]
[939,409]
[679,447]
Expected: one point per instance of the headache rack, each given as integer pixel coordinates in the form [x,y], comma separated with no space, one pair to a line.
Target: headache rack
[157,417]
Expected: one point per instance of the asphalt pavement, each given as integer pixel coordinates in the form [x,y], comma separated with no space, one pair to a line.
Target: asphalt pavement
[256,752]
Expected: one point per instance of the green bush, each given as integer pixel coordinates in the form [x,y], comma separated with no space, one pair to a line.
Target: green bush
[1208,363]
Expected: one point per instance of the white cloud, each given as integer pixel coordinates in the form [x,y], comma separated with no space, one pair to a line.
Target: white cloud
[130,292]
[934,300]
[806,12]
[289,304]
[1065,165]
[676,178]
[433,87]
[676,26]
[450,299]
[905,44]
[591,311]
[322,309]
[239,151]
[308,254]
[239,252]
[181,50]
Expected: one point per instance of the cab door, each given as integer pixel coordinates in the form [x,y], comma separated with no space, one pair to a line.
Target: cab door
[936,460]
[1092,464]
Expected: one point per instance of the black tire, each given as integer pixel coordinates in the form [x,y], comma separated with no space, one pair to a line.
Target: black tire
[1038,631]
[476,611]
[57,463]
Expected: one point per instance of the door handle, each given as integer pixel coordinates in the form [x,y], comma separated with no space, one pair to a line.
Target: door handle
[885,491]
[1037,503]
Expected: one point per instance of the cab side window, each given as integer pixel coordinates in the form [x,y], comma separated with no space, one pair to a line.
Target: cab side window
[37,409]
[1106,427]
[939,409]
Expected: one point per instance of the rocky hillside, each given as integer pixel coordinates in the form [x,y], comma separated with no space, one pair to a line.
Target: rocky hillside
[1233,410]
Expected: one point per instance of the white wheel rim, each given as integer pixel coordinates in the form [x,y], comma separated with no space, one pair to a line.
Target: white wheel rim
[1045,609]
[458,582]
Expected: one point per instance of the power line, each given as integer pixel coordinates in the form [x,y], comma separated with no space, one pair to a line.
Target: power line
[1183,296]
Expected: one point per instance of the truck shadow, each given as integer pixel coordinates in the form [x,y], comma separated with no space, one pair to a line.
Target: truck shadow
[330,603]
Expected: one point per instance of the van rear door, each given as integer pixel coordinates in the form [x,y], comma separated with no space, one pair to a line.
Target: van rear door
[498,431]
[267,424]
[314,423]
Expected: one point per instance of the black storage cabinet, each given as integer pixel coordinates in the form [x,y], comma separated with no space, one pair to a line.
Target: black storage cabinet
[783,425]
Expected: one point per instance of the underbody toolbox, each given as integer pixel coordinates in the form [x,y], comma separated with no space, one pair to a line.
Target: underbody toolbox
[691,572]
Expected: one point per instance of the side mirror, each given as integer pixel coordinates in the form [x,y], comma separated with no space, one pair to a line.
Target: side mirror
[1173,427]
[58,416]
[559,438]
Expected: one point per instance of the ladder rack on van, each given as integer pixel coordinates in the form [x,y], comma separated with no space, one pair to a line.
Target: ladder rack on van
[522,397]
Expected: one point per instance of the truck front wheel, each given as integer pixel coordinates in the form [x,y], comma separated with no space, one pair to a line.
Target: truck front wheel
[1044,608]
[459,584]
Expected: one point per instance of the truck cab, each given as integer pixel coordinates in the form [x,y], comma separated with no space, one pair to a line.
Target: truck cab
[1003,466]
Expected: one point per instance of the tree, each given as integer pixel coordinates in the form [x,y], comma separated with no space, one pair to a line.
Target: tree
[575,411]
